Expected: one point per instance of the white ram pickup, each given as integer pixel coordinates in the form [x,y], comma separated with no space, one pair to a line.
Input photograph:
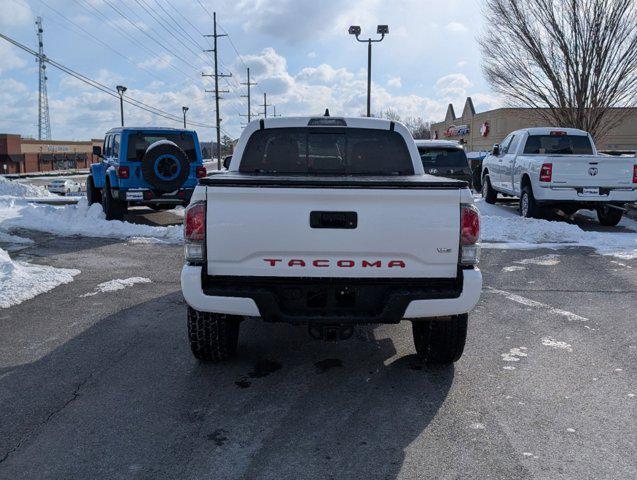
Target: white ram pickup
[559,168]
[330,222]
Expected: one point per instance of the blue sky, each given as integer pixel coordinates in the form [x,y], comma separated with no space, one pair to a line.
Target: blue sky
[298,51]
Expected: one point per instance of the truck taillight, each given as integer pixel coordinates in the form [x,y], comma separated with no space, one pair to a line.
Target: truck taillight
[201,172]
[123,172]
[195,232]
[546,172]
[634,173]
[469,234]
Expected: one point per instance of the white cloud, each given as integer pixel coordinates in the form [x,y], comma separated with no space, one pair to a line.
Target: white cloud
[161,62]
[456,27]
[20,14]
[453,85]
[311,55]
[9,59]
[395,82]
[462,64]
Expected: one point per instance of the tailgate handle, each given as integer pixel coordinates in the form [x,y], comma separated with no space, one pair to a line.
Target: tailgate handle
[342,220]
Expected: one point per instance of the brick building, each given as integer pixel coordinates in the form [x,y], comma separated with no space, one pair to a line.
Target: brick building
[479,131]
[26,155]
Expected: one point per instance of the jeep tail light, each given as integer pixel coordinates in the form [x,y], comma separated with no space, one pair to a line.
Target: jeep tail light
[634,173]
[546,172]
[123,172]
[469,234]
[195,232]
[201,172]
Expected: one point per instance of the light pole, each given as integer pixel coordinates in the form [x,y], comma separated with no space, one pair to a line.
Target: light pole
[121,89]
[382,30]
[184,109]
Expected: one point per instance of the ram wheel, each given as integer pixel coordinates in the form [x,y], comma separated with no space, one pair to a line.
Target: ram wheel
[213,336]
[440,341]
[488,193]
[113,208]
[529,207]
[609,216]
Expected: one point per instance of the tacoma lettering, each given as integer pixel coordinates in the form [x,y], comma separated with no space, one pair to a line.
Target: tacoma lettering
[342,263]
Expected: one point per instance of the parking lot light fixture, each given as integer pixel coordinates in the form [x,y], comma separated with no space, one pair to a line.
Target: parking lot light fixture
[121,89]
[184,109]
[382,30]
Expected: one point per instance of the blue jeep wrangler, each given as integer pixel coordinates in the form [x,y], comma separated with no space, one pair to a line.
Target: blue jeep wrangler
[156,167]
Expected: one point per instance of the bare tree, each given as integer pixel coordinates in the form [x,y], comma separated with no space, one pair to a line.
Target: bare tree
[575,60]
[420,129]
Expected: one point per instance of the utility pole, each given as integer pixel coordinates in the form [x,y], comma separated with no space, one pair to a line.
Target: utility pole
[381,30]
[274,109]
[248,84]
[217,75]
[44,121]
[265,105]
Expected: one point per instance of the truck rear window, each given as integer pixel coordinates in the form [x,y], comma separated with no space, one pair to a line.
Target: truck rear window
[139,142]
[443,157]
[558,145]
[326,151]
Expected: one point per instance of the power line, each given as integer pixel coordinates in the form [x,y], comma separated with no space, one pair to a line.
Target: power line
[98,40]
[125,34]
[136,26]
[102,87]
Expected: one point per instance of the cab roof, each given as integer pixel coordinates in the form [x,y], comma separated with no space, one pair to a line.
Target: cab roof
[439,144]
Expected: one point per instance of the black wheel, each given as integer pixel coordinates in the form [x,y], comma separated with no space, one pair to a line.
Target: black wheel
[114,209]
[213,336]
[440,341]
[609,216]
[488,193]
[93,195]
[165,166]
[476,181]
[528,206]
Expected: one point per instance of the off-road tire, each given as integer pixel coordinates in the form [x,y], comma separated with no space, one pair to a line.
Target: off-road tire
[93,194]
[440,341]
[528,205]
[113,209]
[608,216]
[213,336]
[488,193]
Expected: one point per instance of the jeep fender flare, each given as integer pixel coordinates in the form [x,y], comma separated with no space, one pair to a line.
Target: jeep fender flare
[111,175]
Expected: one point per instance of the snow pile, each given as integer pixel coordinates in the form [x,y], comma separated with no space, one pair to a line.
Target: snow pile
[20,281]
[117,284]
[78,219]
[503,228]
[14,239]
[10,188]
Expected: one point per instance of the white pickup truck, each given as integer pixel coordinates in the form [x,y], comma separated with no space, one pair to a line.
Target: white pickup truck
[559,168]
[330,222]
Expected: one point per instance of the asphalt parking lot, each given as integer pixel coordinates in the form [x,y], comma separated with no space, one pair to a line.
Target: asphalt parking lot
[104,386]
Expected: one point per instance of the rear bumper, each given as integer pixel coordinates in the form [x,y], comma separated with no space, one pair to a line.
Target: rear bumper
[573,195]
[399,302]
[145,196]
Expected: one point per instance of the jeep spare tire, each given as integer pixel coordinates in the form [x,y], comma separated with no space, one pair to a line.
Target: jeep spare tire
[165,166]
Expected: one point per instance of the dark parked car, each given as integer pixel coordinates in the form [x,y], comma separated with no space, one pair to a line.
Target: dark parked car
[444,158]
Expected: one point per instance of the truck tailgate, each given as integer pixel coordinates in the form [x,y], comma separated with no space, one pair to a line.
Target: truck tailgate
[592,171]
[333,232]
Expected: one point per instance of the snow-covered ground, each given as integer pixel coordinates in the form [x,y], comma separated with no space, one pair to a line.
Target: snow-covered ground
[503,228]
[20,281]
[16,211]
[117,284]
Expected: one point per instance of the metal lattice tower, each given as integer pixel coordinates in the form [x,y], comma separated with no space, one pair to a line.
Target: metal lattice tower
[44,122]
